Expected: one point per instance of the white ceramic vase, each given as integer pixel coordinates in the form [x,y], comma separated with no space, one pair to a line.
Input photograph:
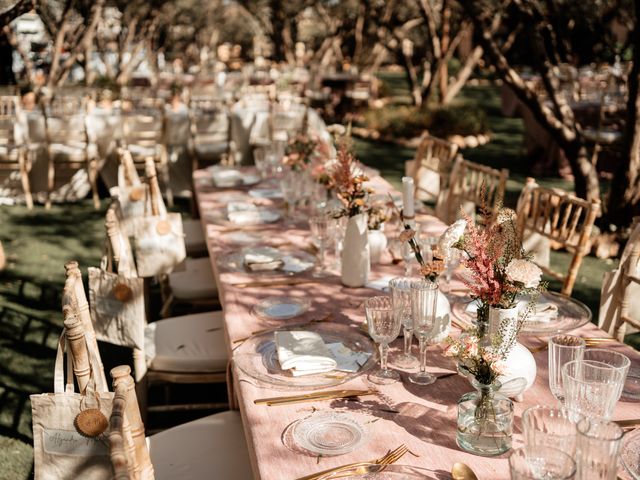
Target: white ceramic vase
[521,366]
[355,252]
[377,245]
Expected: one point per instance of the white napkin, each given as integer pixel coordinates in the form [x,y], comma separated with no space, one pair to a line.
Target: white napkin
[242,213]
[225,177]
[294,264]
[262,262]
[347,360]
[304,353]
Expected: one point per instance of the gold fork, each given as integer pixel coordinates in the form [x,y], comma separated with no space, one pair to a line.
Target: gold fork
[589,342]
[391,457]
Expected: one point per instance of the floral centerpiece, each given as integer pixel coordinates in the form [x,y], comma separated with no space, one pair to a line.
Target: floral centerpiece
[300,151]
[348,178]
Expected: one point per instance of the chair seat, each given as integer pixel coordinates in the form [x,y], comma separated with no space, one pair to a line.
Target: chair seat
[185,344]
[195,281]
[210,447]
[143,151]
[194,241]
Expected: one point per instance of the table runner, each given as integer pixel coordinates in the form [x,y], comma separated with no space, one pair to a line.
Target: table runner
[426,415]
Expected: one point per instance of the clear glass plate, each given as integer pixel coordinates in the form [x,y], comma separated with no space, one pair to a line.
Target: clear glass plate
[281,308]
[631,391]
[630,453]
[265,215]
[241,238]
[258,359]
[572,314]
[270,193]
[329,433]
[380,472]
[293,261]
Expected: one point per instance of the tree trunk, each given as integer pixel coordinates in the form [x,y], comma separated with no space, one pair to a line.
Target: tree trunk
[624,198]
[6,60]
[446,29]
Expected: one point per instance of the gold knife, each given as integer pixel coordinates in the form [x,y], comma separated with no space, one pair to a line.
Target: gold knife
[312,397]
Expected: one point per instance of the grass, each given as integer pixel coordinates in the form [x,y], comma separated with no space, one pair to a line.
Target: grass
[38,243]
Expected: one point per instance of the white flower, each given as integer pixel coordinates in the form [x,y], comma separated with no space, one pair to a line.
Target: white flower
[525,272]
[450,236]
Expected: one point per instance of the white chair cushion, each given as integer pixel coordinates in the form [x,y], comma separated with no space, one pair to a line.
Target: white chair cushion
[211,447]
[195,281]
[194,237]
[190,343]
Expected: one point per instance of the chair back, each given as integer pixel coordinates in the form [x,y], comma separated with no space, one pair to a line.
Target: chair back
[143,129]
[431,167]
[127,445]
[480,185]
[563,218]
[119,245]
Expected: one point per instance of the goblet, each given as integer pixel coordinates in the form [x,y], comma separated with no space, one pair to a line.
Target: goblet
[384,327]
[401,296]
[322,233]
[424,295]
[562,349]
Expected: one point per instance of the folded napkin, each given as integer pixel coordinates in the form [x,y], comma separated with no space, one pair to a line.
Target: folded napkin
[242,213]
[304,353]
[226,177]
[294,264]
[259,262]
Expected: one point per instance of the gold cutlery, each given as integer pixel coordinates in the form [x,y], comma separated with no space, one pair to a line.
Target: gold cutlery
[312,397]
[462,471]
[391,457]
[589,341]
[327,317]
[628,424]
[275,282]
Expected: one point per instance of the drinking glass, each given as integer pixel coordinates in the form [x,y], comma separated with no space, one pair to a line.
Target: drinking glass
[424,295]
[562,349]
[340,228]
[260,160]
[591,388]
[597,449]
[289,192]
[617,360]
[550,427]
[384,327]
[401,296]
[408,255]
[322,233]
[538,462]
[451,262]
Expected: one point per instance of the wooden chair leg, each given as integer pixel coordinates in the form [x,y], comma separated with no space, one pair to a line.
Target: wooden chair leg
[24,177]
[164,164]
[92,172]
[51,175]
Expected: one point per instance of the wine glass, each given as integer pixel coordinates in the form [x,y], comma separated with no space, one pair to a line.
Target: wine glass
[260,160]
[322,233]
[424,295]
[408,256]
[562,349]
[384,327]
[401,296]
[451,262]
[289,188]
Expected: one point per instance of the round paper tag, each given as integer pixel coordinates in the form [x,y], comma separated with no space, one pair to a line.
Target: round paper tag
[91,422]
[122,292]
[163,227]
[136,194]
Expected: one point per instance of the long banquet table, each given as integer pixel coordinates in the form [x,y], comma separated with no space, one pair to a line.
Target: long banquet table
[421,417]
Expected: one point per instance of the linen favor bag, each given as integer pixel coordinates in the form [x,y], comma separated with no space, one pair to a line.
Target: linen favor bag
[159,238]
[63,422]
[132,193]
[117,305]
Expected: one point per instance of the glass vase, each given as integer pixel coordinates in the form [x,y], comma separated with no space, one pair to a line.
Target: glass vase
[485,421]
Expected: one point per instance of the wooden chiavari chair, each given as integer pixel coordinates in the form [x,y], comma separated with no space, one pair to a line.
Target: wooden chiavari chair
[13,149]
[564,219]
[475,184]
[430,169]
[210,132]
[70,143]
[213,445]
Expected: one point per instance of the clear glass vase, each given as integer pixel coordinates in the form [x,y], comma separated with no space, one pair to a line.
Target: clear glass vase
[485,421]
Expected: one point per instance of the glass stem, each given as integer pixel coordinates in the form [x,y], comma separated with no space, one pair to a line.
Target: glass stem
[290,208]
[384,350]
[423,354]
[408,340]
[321,253]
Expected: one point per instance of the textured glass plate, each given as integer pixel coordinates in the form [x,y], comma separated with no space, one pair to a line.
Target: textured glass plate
[630,453]
[266,193]
[631,391]
[294,261]
[329,433]
[258,359]
[220,217]
[281,308]
[380,472]
[572,314]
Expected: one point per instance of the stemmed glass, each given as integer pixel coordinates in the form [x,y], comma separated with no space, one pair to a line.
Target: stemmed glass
[289,188]
[260,160]
[384,327]
[401,296]
[322,233]
[562,349]
[424,295]
[451,263]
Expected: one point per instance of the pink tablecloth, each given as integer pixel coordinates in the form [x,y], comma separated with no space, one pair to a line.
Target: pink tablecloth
[426,416]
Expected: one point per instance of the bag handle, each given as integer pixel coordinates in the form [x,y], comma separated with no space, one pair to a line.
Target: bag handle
[156,203]
[58,372]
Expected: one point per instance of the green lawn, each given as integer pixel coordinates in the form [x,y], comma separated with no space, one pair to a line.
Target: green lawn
[38,243]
